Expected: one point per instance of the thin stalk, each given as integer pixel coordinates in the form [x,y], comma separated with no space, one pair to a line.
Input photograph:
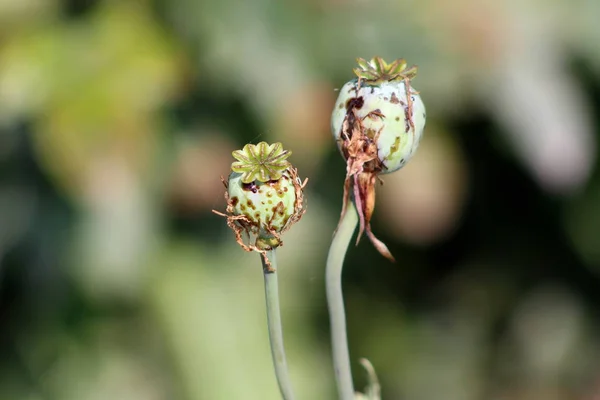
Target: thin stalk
[335,302]
[275,328]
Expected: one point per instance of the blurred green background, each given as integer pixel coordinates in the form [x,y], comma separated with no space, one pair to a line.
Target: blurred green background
[118,117]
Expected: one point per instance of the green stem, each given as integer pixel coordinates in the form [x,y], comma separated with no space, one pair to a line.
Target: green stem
[275,329]
[335,302]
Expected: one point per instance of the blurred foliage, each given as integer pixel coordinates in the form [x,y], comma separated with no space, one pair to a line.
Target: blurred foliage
[117,118]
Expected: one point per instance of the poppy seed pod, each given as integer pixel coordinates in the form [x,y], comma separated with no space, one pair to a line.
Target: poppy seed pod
[377,122]
[383,110]
[264,195]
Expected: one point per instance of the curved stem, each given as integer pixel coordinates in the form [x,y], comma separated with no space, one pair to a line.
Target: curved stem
[335,302]
[274,322]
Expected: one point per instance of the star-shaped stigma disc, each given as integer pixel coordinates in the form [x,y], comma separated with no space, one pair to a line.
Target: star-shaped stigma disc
[377,70]
[262,162]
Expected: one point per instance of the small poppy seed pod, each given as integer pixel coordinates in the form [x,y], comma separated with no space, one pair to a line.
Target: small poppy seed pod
[377,123]
[264,195]
[269,206]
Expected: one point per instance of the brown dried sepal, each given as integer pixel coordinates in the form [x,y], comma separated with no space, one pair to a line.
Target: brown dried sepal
[299,204]
[241,224]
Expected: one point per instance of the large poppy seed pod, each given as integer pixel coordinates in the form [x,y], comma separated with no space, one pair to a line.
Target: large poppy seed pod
[377,122]
[264,195]
[391,111]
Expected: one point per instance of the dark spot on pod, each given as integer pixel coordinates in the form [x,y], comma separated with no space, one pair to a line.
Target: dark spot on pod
[355,103]
[250,187]
[394,99]
[270,201]
[424,115]
[243,207]
[262,202]
[285,189]
[269,194]
[341,106]
[234,201]
[257,215]
[372,89]
[276,184]
[397,118]
[251,204]
[394,148]
[402,161]
[279,209]
[412,98]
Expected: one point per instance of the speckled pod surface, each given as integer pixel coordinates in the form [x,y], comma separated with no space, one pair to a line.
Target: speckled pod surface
[397,140]
[268,205]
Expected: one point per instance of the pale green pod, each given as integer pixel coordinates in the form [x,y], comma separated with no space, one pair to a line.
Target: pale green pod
[269,206]
[264,196]
[397,140]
